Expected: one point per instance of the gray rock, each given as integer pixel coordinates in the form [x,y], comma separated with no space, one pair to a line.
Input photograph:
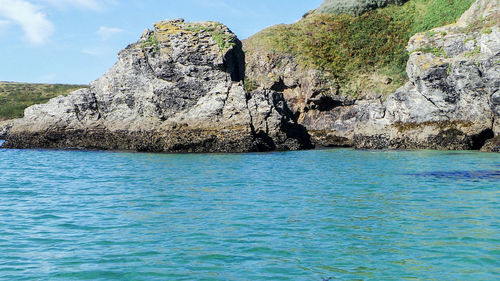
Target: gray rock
[178,89]
[492,145]
[451,101]
[4,128]
[354,7]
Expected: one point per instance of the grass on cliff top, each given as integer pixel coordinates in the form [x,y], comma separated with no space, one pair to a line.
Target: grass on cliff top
[15,97]
[217,31]
[350,47]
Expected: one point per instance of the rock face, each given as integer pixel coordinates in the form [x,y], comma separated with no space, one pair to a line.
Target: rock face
[354,7]
[178,89]
[326,114]
[4,128]
[452,99]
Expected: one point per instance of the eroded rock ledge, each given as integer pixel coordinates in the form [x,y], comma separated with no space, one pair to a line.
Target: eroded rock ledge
[178,89]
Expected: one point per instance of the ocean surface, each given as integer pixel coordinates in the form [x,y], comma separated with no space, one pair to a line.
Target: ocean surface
[313,215]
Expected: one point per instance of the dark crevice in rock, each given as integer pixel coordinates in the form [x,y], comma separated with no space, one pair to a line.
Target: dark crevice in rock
[234,62]
[279,86]
[480,139]
[325,103]
[428,99]
[292,130]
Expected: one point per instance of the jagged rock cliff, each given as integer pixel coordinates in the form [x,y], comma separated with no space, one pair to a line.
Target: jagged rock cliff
[178,89]
[450,101]
[452,98]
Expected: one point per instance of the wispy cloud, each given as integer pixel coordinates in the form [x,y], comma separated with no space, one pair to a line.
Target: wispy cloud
[37,28]
[107,32]
[35,24]
[83,4]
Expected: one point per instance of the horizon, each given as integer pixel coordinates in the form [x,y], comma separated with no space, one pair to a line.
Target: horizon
[45,42]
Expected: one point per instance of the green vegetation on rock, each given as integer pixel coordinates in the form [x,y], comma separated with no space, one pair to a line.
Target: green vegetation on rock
[151,42]
[436,51]
[347,46]
[15,97]
[217,30]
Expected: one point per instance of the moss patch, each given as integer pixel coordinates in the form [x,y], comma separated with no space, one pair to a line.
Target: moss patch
[151,43]
[473,53]
[441,125]
[436,51]
[218,32]
[249,85]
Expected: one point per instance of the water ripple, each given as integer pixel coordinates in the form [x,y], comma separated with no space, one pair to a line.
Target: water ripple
[312,215]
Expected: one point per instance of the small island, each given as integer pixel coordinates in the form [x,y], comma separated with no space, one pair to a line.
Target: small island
[357,75]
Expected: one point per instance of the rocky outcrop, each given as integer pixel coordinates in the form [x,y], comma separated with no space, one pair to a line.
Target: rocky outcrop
[311,94]
[451,100]
[354,7]
[178,89]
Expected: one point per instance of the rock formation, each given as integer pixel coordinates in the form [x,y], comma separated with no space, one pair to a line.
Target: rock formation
[450,102]
[178,89]
[452,98]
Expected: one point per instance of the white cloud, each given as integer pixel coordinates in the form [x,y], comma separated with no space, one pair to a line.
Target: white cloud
[3,26]
[35,24]
[37,28]
[107,32]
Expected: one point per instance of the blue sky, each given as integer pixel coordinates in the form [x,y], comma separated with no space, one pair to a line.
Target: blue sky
[76,41]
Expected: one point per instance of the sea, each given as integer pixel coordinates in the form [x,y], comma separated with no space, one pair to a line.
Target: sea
[319,215]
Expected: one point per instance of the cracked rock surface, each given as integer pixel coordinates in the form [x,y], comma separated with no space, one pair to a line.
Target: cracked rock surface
[178,89]
[452,99]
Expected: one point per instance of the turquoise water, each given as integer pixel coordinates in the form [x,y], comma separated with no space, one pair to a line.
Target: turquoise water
[311,215]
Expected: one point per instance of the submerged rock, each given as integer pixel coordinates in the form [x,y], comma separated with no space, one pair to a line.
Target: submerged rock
[178,89]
